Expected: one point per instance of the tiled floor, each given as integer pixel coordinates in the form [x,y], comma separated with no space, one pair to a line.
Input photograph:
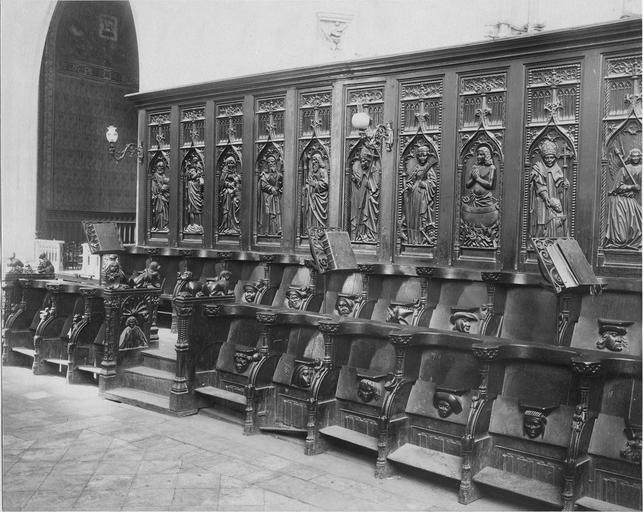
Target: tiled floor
[67,449]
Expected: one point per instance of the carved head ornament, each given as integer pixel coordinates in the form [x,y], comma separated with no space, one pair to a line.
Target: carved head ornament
[612,334]
[535,419]
[461,320]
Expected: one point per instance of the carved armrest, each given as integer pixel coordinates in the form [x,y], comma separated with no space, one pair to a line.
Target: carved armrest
[233,310]
[368,328]
[299,318]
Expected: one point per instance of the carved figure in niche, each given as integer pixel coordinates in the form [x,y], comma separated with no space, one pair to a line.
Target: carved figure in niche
[229,197]
[612,335]
[632,449]
[365,197]
[296,297]
[548,211]
[271,182]
[316,193]
[420,186]
[367,390]
[479,207]
[624,217]
[113,275]
[194,186]
[160,197]
[222,285]
[132,336]
[461,321]
[44,265]
[150,277]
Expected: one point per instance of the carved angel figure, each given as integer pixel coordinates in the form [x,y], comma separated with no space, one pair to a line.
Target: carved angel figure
[419,194]
[624,217]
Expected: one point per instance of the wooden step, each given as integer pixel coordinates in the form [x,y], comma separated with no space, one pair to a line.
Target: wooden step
[520,485]
[148,379]
[431,461]
[226,414]
[587,503]
[139,398]
[59,362]
[283,428]
[29,352]
[350,436]
[90,369]
[221,394]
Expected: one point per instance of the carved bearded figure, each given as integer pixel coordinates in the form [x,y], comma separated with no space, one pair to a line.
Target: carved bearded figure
[548,195]
[270,185]
[316,194]
[160,198]
[624,217]
[230,197]
[365,196]
[419,194]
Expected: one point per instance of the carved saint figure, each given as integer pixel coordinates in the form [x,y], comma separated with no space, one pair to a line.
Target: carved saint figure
[160,197]
[316,194]
[132,336]
[624,217]
[418,196]
[271,185]
[548,211]
[194,186]
[229,197]
[365,197]
[44,265]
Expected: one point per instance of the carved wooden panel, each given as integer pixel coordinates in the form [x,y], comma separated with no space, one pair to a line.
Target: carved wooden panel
[229,140]
[551,143]
[620,185]
[437,441]
[363,171]
[192,173]
[481,127]
[420,141]
[529,466]
[314,155]
[361,424]
[269,168]
[158,174]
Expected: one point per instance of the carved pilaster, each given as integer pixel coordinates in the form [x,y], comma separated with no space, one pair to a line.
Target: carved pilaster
[267,320]
[400,343]
[184,310]
[329,329]
[112,305]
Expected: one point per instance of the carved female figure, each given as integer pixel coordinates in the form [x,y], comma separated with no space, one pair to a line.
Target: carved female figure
[419,195]
[270,185]
[160,197]
[316,194]
[548,195]
[230,197]
[624,217]
[365,197]
[194,195]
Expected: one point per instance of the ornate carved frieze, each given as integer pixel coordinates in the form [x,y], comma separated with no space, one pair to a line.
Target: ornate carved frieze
[551,135]
[480,165]
[159,130]
[620,209]
[193,127]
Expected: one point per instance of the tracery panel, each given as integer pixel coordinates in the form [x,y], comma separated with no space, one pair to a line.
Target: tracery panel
[478,205]
[192,174]
[420,141]
[269,168]
[620,185]
[314,156]
[551,160]
[159,193]
[363,171]
[229,142]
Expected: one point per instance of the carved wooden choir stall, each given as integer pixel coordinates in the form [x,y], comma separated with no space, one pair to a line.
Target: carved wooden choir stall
[432,257]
